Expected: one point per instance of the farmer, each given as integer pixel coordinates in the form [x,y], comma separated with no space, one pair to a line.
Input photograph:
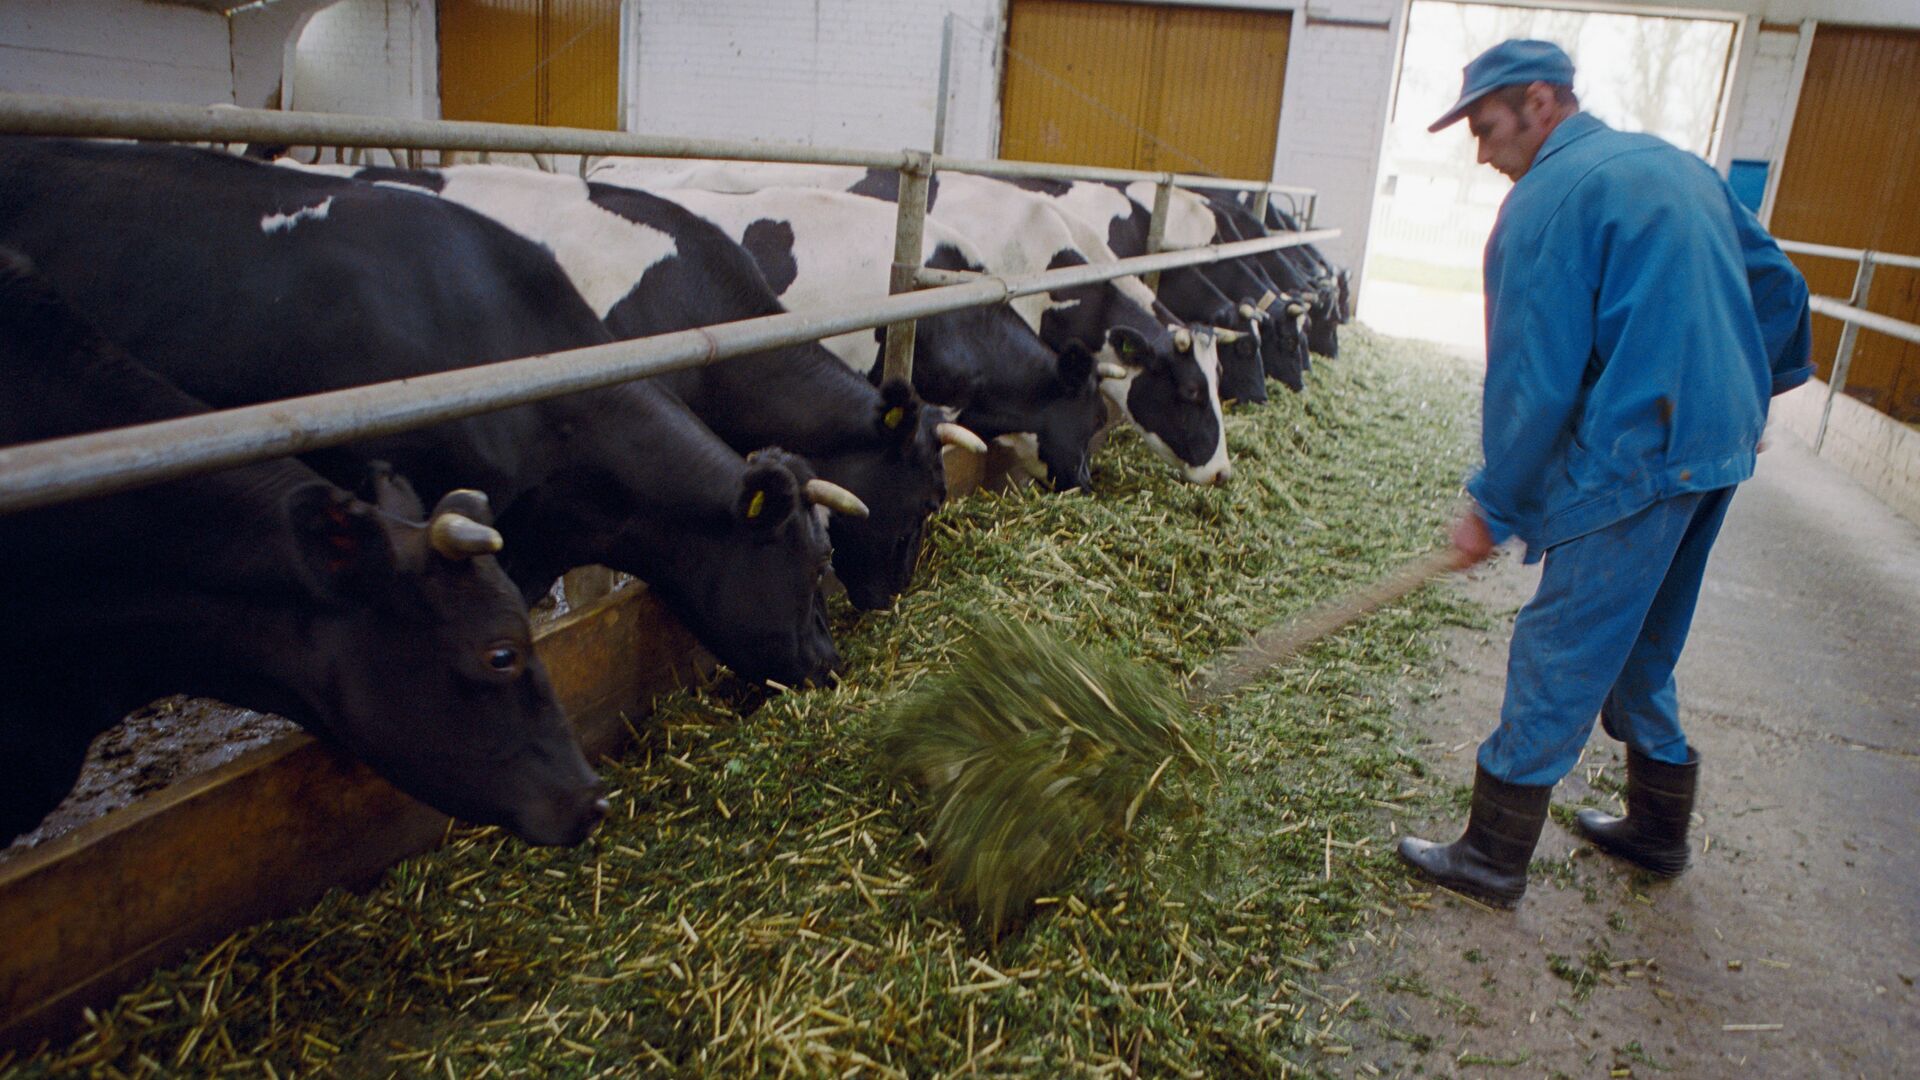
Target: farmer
[1638,321]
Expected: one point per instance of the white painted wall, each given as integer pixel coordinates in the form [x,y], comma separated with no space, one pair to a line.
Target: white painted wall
[368,57]
[854,73]
[124,49]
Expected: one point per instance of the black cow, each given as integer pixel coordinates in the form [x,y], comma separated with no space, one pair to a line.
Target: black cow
[242,282]
[647,266]
[395,638]
[1302,269]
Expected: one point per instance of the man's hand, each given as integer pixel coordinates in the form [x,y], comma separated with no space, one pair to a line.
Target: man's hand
[1472,543]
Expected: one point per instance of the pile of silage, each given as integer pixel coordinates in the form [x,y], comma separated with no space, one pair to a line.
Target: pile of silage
[762,903]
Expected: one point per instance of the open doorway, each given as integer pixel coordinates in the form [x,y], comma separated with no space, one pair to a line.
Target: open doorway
[1435,206]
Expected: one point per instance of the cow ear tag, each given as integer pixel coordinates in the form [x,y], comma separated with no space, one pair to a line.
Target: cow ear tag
[894,416]
[1266,300]
[756,504]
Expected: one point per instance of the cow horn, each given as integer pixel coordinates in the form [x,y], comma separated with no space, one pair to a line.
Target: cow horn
[952,434]
[1266,300]
[835,498]
[1247,312]
[1110,370]
[457,536]
[1296,308]
[1226,336]
[1183,339]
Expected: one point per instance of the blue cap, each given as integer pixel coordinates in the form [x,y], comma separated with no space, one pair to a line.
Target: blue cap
[1511,63]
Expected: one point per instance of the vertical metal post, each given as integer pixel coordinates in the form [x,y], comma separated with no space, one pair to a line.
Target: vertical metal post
[1313,203]
[1157,227]
[1261,199]
[940,102]
[908,229]
[1843,356]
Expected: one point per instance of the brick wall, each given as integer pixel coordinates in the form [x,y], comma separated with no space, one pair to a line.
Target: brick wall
[857,73]
[1756,120]
[369,57]
[124,49]
[1878,452]
[1340,78]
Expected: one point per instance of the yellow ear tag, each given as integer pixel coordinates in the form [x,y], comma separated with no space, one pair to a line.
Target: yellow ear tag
[894,416]
[756,504]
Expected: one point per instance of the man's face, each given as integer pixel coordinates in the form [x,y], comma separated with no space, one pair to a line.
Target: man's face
[1508,139]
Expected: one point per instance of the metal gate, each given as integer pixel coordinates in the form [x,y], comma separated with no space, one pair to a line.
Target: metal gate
[1848,181]
[1139,86]
[531,62]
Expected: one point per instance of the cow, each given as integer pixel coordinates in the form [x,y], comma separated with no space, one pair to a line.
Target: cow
[1302,270]
[242,282]
[1171,395]
[819,249]
[1232,293]
[389,633]
[646,266]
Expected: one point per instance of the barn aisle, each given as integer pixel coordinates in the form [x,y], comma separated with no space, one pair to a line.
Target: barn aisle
[1792,946]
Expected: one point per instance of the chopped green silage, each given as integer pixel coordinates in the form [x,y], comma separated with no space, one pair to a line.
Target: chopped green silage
[762,902]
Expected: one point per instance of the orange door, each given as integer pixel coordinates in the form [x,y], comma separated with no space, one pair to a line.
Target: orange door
[1140,86]
[531,61]
[1849,180]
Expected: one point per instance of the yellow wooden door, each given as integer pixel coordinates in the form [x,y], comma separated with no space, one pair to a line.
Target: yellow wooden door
[531,61]
[1142,86]
[1850,179]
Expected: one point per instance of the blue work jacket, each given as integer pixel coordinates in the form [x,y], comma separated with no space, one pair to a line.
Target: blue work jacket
[1639,319]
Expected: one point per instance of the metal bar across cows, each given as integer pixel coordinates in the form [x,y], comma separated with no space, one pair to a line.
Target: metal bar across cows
[1892,327]
[1828,251]
[35,114]
[42,473]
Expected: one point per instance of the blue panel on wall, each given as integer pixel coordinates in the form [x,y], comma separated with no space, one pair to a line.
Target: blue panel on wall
[1749,180]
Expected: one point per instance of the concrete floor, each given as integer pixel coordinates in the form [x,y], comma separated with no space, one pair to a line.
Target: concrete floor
[1801,688]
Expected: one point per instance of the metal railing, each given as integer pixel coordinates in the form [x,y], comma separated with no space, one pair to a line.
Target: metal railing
[38,474]
[274,429]
[1852,314]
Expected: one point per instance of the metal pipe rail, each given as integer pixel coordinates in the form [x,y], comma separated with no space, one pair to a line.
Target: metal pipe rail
[56,470]
[35,114]
[1851,312]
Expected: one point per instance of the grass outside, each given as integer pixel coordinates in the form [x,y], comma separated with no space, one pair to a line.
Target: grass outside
[760,904]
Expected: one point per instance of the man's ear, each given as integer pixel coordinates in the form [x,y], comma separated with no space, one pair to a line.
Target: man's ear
[339,544]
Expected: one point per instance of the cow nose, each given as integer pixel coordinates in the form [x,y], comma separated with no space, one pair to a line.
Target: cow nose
[600,809]
[1225,474]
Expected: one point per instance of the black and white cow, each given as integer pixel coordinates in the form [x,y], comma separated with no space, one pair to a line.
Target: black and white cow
[1170,393]
[1194,293]
[391,634]
[646,266]
[821,249]
[1302,270]
[241,282]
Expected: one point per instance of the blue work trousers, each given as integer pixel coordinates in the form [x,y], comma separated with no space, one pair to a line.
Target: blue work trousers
[1602,636]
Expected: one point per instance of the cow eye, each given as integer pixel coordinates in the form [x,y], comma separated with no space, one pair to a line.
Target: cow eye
[505,659]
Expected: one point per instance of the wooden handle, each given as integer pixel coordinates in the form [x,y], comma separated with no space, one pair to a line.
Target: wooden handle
[1278,642]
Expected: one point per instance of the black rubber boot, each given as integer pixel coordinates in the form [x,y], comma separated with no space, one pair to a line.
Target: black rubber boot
[1653,835]
[1490,861]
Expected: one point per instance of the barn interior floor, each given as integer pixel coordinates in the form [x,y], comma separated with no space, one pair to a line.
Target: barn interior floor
[1792,946]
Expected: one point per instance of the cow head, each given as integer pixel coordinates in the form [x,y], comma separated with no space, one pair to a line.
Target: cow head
[1285,350]
[417,659]
[898,475]
[1168,387]
[748,585]
[1240,344]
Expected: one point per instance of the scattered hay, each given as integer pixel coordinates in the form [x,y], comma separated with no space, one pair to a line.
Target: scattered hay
[760,903]
[1031,750]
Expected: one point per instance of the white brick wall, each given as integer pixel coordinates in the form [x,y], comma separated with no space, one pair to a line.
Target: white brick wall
[1334,114]
[858,73]
[369,57]
[1879,453]
[1755,123]
[125,49]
